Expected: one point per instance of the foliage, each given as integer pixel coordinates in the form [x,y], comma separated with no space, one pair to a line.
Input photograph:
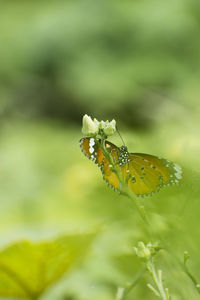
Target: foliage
[27,268]
[134,61]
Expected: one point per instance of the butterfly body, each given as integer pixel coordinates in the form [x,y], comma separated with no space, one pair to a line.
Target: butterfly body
[144,173]
[123,157]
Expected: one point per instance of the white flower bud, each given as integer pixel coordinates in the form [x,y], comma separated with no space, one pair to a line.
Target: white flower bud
[96,122]
[142,251]
[109,128]
[90,128]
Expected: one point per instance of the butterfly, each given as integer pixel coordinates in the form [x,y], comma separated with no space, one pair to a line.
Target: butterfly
[146,173]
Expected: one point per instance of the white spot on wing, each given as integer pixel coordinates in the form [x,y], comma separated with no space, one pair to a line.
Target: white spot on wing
[92,142]
[178,170]
[91,149]
[178,175]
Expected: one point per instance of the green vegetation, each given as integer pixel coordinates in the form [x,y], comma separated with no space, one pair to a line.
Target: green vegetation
[28,269]
[134,61]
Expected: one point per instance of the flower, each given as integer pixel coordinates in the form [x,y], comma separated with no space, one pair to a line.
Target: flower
[108,128]
[90,127]
[94,127]
[143,251]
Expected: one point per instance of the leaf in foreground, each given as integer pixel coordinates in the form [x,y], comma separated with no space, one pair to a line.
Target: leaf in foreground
[27,268]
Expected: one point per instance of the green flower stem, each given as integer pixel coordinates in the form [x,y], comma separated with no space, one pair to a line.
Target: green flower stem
[189,274]
[140,208]
[34,298]
[134,283]
[157,278]
[124,291]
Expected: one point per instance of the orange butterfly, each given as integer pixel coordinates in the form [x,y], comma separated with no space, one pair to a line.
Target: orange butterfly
[146,173]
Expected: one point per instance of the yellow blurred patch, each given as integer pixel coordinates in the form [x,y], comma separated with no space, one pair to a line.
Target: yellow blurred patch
[80,180]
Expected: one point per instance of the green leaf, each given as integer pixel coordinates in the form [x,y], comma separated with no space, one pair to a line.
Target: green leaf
[28,268]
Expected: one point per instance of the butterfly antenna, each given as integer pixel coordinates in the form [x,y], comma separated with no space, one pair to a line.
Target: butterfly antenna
[120,136]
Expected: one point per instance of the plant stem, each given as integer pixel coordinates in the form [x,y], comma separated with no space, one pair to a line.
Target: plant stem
[189,274]
[140,208]
[157,277]
[34,298]
[124,291]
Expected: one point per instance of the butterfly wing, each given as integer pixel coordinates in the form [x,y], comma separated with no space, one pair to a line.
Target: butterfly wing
[107,170]
[91,149]
[146,173]
[149,173]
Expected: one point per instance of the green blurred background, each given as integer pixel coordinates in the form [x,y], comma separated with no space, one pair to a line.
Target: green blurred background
[135,61]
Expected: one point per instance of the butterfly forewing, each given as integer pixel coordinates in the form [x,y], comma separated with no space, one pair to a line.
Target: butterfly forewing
[90,147]
[92,150]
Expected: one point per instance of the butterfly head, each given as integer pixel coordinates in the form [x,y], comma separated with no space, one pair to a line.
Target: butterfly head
[123,157]
[124,148]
